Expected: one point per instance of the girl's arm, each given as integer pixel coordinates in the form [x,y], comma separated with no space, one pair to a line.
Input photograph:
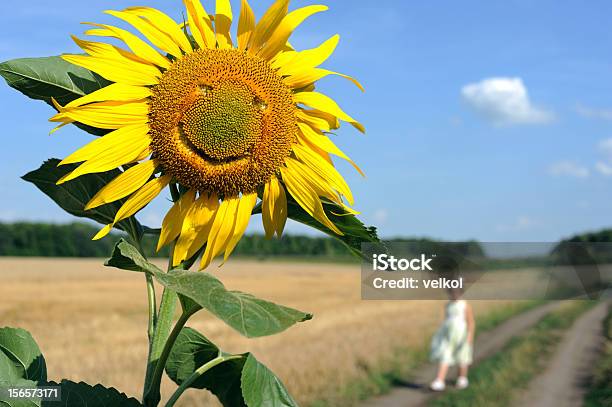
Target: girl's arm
[471,323]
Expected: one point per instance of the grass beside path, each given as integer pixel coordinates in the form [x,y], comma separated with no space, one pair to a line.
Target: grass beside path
[402,362]
[495,380]
[600,388]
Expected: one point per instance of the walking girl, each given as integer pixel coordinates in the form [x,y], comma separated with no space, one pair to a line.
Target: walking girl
[453,342]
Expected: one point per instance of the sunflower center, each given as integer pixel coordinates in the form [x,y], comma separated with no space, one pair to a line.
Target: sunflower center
[225,121]
[222,121]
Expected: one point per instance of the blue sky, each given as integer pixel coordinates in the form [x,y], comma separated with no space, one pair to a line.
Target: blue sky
[487,120]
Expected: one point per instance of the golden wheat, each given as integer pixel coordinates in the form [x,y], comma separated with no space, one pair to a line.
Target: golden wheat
[89,321]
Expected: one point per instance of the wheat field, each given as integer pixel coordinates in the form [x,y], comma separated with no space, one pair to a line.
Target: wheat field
[90,322]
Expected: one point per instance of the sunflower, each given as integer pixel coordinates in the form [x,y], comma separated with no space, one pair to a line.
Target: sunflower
[231,121]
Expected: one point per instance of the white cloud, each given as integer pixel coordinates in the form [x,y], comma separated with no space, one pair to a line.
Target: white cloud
[504,101]
[603,168]
[594,113]
[568,168]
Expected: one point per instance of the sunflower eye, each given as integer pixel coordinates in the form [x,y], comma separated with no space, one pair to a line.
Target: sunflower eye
[260,103]
[204,89]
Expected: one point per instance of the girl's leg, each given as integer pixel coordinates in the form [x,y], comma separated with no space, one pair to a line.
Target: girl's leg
[442,370]
[462,380]
[438,384]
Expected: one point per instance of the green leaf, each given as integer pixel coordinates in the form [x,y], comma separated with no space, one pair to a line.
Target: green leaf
[72,196]
[355,232]
[19,346]
[9,373]
[192,350]
[126,257]
[261,387]
[11,376]
[84,395]
[52,77]
[250,316]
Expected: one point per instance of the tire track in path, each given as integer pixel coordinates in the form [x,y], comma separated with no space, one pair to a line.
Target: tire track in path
[562,383]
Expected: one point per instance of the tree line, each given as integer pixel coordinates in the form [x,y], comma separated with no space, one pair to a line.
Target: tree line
[74,240]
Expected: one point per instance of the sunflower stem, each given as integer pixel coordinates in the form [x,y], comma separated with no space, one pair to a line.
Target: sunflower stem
[152,396]
[152,301]
[164,338]
[152,308]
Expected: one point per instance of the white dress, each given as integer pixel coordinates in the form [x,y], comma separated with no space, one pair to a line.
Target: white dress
[450,343]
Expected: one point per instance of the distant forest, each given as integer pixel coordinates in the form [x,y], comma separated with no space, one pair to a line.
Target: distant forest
[74,240]
[585,248]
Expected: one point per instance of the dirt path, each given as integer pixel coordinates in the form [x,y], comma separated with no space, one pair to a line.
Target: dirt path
[415,392]
[562,383]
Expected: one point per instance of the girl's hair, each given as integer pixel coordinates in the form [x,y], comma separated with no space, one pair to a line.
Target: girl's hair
[454,293]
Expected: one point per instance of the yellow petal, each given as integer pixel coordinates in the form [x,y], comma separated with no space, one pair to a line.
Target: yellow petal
[274,208]
[324,103]
[311,136]
[131,61]
[324,170]
[165,24]
[268,24]
[315,149]
[221,230]
[145,154]
[142,197]
[138,46]
[104,50]
[243,215]
[105,115]
[200,24]
[124,184]
[316,122]
[280,211]
[117,92]
[308,58]
[246,25]
[284,30]
[332,120]
[207,215]
[114,70]
[173,221]
[157,37]
[283,58]
[195,227]
[320,185]
[103,232]
[223,23]
[309,76]
[306,197]
[120,154]
[115,139]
